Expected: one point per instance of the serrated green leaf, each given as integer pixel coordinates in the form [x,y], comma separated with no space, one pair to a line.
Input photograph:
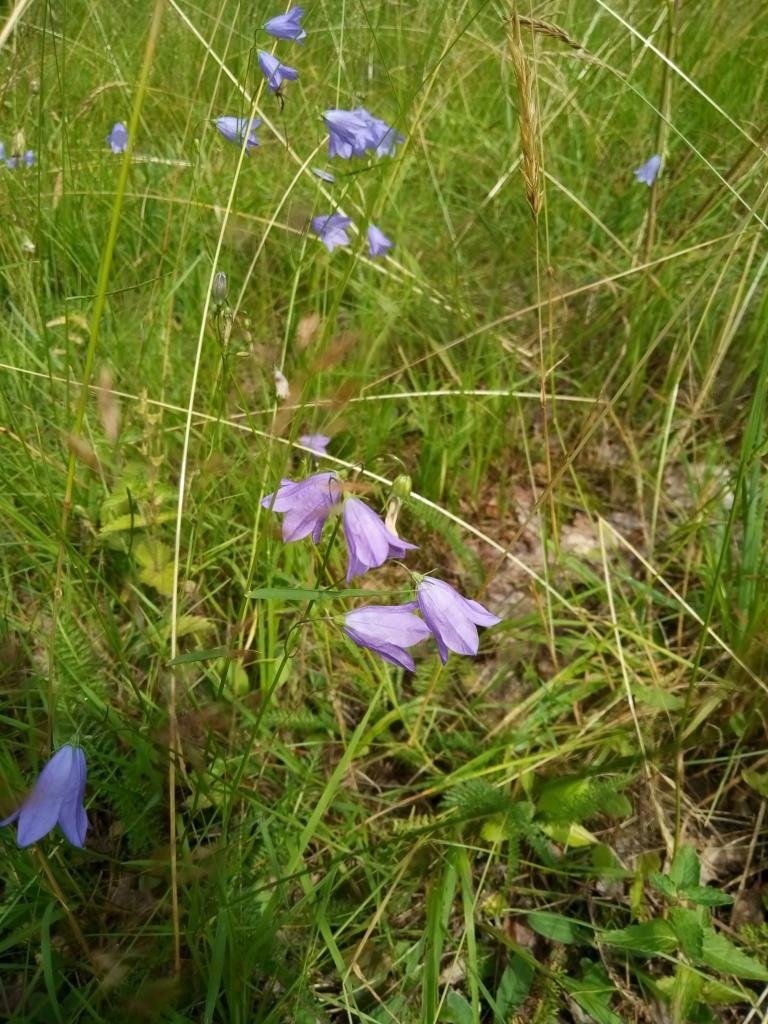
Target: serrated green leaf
[685,868]
[122,524]
[556,926]
[651,938]
[688,930]
[720,954]
[706,896]
[664,884]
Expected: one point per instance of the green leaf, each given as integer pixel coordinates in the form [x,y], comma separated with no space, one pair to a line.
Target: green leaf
[556,926]
[457,1009]
[757,781]
[685,868]
[593,992]
[685,992]
[720,954]
[664,884]
[513,988]
[652,938]
[706,896]
[688,930]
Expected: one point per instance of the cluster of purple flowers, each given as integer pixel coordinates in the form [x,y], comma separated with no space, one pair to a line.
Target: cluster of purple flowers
[15,159]
[388,630]
[351,133]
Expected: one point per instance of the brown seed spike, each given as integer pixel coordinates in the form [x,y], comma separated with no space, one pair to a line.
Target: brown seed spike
[528,119]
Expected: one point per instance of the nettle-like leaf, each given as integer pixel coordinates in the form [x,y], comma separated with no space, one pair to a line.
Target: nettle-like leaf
[685,869]
[651,938]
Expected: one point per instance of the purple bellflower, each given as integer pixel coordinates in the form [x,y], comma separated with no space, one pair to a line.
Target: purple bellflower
[316,442]
[453,619]
[2,153]
[287,26]
[378,243]
[387,631]
[234,128]
[29,158]
[275,72]
[349,133]
[332,230]
[57,798]
[322,175]
[118,138]
[12,162]
[369,542]
[306,504]
[648,171]
[383,137]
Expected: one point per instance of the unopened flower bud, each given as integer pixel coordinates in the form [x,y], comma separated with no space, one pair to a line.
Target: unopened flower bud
[401,489]
[402,486]
[220,288]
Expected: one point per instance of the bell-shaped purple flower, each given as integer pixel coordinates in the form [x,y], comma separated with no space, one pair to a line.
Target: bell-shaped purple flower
[648,171]
[57,798]
[2,152]
[387,630]
[233,129]
[382,137]
[306,504]
[453,619]
[369,542]
[332,230]
[275,72]
[287,26]
[29,158]
[378,243]
[13,161]
[118,138]
[316,442]
[349,133]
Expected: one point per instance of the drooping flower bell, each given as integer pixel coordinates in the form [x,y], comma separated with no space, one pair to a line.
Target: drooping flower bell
[453,619]
[306,504]
[378,243]
[387,631]
[332,230]
[287,26]
[118,138]
[369,542]
[317,443]
[57,798]
[275,72]
[234,128]
[647,172]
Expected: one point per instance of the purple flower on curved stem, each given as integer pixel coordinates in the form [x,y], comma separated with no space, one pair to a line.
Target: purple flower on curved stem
[647,172]
[349,133]
[306,504]
[332,230]
[387,631]
[57,798]
[383,138]
[275,72]
[378,243]
[369,541]
[118,138]
[453,619]
[287,26]
[234,128]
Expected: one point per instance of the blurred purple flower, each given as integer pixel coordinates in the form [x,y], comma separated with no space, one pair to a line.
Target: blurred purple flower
[369,542]
[378,243]
[323,175]
[306,504]
[451,618]
[332,230]
[275,72]
[648,171]
[118,138]
[2,152]
[287,26]
[12,162]
[383,137]
[317,442]
[349,133]
[233,130]
[29,158]
[57,798]
[387,630]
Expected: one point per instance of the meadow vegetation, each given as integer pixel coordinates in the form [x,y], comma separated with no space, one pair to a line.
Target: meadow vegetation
[566,368]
